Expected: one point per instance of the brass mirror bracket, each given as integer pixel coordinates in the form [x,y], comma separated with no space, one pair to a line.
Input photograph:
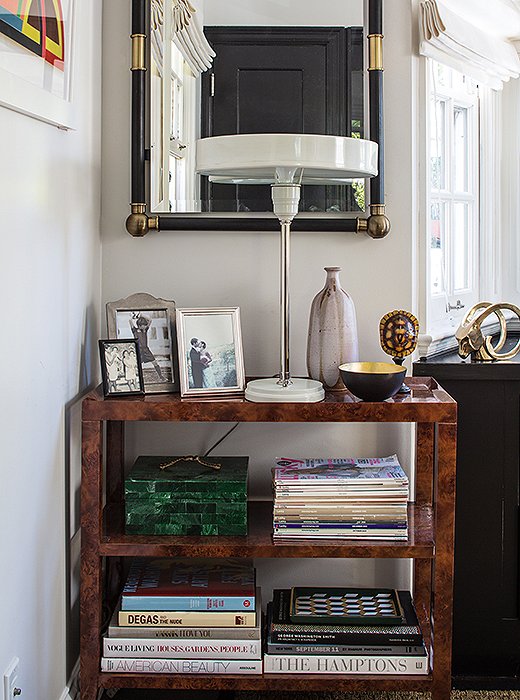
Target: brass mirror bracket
[375,52]
[138,51]
[139,223]
[377,225]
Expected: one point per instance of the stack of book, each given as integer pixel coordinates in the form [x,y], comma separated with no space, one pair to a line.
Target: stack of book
[186,616]
[340,498]
[293,647]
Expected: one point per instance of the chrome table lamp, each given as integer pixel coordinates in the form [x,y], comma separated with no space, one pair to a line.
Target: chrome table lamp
[285,161]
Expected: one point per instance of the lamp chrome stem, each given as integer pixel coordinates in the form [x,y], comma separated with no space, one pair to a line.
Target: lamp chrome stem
[285,254]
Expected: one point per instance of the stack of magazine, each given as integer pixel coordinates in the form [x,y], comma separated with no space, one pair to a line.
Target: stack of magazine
[340,498]
[186,616]
[338,645]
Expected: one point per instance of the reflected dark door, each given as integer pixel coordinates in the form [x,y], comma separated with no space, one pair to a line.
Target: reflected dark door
[280,80]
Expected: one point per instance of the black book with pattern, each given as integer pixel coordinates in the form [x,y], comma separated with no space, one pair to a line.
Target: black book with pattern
[282,629]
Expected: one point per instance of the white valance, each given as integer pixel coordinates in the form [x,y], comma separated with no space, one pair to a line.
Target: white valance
[189,38]
[454,40]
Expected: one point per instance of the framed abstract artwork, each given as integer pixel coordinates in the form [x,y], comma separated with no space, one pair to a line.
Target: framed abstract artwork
[36,57]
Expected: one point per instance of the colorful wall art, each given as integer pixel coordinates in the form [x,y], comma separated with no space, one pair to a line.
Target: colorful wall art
[37,25]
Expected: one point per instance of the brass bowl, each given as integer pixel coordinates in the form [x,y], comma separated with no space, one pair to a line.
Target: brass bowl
[372,381]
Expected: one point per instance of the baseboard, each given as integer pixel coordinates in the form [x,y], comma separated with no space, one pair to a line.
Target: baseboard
[71,690]
[469,682]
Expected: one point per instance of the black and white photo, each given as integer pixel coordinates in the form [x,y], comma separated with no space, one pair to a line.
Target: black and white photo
[210,351]
[121,367]
[151,322]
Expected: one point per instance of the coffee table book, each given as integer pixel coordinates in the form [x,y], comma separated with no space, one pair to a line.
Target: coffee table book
[182,585]
[182,648]
[160,618]
[281,630]
[352,664]
[182,666]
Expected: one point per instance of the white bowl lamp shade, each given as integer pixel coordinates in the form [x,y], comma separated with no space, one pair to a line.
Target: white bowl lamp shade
[255,159]
[285,161]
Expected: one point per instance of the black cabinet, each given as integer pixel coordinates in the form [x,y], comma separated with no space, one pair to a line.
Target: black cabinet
[486,625]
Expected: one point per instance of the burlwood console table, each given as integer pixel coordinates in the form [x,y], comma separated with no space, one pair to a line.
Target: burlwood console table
[429,545]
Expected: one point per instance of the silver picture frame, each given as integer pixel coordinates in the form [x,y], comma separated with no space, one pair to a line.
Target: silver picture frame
[150,321]
[211,357]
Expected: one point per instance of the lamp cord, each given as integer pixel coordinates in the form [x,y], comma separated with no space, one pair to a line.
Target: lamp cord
[234,427]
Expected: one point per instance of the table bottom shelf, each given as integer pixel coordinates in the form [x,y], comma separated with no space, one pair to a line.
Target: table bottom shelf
[293,682]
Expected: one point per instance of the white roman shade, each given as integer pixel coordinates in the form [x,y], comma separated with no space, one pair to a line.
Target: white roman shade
[157,33]
[454,39]
[189,38]
[186,34]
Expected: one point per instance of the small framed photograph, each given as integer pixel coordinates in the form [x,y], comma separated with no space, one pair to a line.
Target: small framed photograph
[151,322]
[211,359]
[121,367]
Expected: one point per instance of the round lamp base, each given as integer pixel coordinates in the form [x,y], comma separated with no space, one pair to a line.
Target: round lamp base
[269,391]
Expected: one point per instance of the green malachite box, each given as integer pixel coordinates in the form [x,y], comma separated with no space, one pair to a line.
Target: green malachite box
[187,498]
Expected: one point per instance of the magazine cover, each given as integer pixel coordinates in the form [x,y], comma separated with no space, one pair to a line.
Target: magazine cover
[349,469]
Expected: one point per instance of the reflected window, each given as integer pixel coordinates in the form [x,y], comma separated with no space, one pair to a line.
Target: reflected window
[453,161]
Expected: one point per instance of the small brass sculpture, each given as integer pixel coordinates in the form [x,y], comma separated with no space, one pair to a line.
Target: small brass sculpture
[472,340]
[398,335]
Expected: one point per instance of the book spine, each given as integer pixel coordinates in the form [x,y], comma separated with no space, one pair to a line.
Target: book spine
[376,665]
[191,666]
[348,649]
[344,638]
[186,603]
[181,649]
[189,619]
[323,525]
[203,633]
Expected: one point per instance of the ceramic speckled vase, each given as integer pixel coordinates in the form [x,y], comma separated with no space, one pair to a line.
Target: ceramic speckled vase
[332,338]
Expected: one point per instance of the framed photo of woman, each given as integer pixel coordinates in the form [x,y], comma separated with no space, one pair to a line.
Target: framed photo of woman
[121,367]
[151,322]
[211,359]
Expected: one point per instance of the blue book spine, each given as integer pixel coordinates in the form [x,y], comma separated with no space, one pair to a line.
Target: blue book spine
[186,603]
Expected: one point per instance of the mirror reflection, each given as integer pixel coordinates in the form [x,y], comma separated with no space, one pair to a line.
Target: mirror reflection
[250,66]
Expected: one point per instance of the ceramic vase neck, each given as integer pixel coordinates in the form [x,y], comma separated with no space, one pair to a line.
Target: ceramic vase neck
[332,276]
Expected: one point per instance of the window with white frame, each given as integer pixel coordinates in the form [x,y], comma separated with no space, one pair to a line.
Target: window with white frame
[452,202]
[174,130]
[182,134]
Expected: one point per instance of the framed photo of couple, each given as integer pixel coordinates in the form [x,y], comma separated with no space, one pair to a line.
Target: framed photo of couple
[211,360]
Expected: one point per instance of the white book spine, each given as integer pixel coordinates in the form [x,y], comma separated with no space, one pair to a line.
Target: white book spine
[371,665]
[189,666]
[189,619]
[181,649]
[193,633]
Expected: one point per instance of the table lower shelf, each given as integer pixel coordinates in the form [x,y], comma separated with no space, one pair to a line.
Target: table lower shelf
[259,541]
[302,682]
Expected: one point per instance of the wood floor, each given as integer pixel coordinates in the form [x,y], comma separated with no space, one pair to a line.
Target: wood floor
[166,695]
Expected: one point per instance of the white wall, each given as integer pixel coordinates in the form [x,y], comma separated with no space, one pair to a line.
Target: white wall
[284,12]
[50,283]
[224,269]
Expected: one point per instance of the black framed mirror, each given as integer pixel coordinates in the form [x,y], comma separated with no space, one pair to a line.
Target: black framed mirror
[278,78]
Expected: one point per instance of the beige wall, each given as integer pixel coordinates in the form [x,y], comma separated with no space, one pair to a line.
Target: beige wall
[239,268]
[50,283]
